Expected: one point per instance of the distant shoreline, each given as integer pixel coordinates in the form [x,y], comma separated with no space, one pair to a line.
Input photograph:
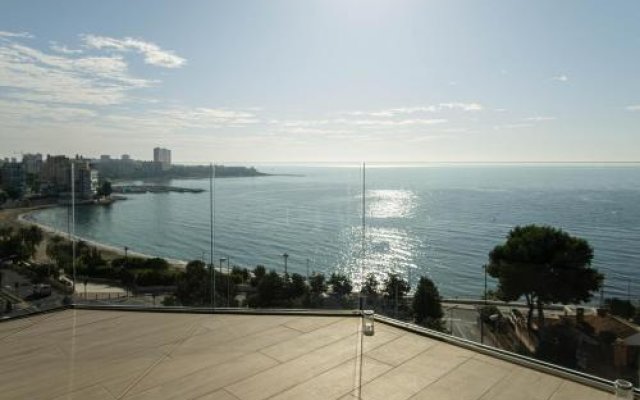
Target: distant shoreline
[22,216]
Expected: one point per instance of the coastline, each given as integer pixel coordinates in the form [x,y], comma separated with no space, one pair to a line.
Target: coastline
[21,217]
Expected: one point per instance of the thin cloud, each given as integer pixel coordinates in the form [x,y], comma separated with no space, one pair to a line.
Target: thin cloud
[5,34]
[153,54]
[404,122]
[63,49]
[392,112]
[33,75]
[24,111]
[513,126]
[633,107]
[540,119]
[179,119]
[560,78]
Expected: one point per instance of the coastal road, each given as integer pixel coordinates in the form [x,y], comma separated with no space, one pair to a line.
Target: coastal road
[462,321]
[24,290]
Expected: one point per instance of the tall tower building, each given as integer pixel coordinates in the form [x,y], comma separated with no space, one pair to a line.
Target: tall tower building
[163,157]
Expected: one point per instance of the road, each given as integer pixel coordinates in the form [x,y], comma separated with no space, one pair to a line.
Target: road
[462,321]
[24,290]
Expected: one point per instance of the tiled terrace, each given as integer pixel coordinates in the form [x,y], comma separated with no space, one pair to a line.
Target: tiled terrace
[91,354]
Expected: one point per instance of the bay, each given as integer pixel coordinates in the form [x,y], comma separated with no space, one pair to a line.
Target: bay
[437,220]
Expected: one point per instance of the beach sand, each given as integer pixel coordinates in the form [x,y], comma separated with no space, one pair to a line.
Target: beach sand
[18,217]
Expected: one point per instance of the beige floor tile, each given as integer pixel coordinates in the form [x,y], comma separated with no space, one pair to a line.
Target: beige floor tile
[307,342]
[206,380]
[410,377]
[525,384]
[402,349]
[336,382]
[573,391]
[469,381]
[309,324]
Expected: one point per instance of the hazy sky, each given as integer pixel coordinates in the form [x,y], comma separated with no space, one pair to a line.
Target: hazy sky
[322,80]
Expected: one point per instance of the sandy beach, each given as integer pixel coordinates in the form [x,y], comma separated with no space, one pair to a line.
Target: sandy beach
[17,217]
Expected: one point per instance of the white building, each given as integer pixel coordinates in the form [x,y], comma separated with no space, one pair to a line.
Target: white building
[163,157]
[32,163]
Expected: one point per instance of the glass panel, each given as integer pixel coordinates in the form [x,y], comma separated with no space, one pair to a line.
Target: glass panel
[291,236]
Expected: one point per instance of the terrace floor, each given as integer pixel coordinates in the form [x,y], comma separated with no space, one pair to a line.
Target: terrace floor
[95,354]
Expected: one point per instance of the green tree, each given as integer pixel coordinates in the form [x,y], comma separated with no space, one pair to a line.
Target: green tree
[271,289]
[544,265]
[59,251]
[427,309]
[370,285]
[105,189]
[317,284]
[240,275]
[193,286]
[258,273]
[340,284]
[92,259]
[21,243]
[296,286]
[395,289]
[156,263]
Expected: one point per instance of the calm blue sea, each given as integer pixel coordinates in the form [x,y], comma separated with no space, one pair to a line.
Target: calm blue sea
[435,220]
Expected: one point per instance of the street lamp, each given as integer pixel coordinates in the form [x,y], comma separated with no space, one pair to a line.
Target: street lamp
[228,281]
[285,256]
[214,279]
[484,267]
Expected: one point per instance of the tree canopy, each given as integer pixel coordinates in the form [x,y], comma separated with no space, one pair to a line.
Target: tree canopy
[370,285]
[20,243]
[194,285]
[544,265]
[340,284]
[395,285]
[427,308]
[105,189]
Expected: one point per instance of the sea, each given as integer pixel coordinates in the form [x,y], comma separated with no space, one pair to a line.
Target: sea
[435,220]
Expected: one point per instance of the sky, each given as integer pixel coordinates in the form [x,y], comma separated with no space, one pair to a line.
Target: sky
[322,81]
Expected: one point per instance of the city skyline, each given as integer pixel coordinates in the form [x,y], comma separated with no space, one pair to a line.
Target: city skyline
[323,81]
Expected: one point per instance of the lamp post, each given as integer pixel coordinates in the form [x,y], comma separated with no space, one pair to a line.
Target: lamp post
[285,256]
[228,281]
[485,305]
[214,278]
